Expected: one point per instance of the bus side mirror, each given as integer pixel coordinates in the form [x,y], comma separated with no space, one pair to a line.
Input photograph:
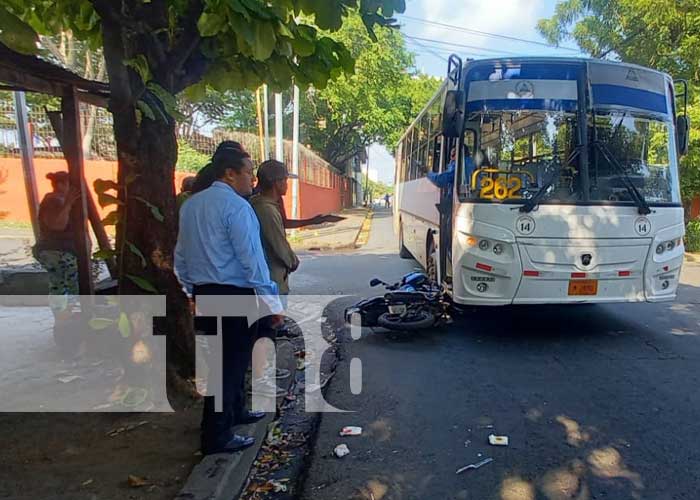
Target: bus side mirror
[683,134]
[453,114]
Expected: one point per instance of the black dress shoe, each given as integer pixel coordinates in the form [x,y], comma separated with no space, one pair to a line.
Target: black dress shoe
[251,417]
[237,443]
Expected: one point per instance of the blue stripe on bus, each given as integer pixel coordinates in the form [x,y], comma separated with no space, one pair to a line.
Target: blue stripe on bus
[627,96]
[522,104]
[528,71]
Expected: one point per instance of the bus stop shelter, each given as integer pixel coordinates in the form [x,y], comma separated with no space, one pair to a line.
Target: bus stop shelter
[21,73]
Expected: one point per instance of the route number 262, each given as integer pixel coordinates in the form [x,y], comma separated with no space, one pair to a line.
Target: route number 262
[500,189]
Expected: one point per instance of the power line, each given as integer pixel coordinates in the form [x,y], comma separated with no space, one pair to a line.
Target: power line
[460,45]
[487,34]
[447,51]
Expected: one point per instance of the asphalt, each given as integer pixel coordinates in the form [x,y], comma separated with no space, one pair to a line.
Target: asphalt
[599,402]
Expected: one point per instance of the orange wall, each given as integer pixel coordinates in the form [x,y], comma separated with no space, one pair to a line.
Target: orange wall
[313,200]
[695,208]
[13,198]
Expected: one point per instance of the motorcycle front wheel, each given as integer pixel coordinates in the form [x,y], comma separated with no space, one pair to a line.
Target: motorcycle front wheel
[417,321]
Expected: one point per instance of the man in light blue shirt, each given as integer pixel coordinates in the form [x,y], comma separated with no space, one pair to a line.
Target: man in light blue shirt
[219,252]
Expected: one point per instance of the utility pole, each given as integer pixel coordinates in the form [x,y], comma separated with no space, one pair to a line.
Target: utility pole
[266,122]
[261,135]
[295,155]
[367,197]
[27,149]
[279,129]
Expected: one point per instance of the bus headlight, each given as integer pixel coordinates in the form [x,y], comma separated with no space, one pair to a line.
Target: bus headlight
[667,246]
[484,245]
[498,249]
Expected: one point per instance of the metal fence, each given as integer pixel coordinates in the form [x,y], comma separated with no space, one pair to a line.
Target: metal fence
[99,144]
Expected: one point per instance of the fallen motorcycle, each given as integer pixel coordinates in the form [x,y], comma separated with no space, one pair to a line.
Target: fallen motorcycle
[414,303]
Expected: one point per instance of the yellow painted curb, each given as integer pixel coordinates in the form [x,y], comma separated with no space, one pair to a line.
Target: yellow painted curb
[363,235]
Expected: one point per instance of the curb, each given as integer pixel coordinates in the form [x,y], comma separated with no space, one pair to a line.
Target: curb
[364,227]
[363,235]
[223,476]
[692,257]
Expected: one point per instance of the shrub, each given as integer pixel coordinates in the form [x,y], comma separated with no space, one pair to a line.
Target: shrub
[692,236]
[189,159]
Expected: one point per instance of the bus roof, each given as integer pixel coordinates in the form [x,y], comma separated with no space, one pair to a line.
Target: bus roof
[534,59]
[559,60]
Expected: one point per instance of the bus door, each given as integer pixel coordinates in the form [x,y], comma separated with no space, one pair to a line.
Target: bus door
[449,158]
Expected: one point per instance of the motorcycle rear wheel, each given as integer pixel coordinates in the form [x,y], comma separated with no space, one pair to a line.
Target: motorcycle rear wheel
[419,321]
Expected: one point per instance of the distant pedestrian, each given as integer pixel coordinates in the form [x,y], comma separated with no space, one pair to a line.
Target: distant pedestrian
[219,252]
[185,190]
[387,200]
[55,248]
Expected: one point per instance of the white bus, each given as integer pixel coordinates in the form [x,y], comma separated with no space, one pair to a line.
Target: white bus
[566,184]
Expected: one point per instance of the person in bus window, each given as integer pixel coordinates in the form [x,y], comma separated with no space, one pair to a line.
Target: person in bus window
[446,179]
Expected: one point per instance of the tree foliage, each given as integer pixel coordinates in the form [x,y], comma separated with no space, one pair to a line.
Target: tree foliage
[375,104]
[662,34]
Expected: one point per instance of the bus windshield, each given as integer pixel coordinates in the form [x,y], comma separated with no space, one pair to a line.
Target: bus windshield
[519,152]
[523,152]
[643,147]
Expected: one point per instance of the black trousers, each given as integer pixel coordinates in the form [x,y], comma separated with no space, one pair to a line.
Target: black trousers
[237,348]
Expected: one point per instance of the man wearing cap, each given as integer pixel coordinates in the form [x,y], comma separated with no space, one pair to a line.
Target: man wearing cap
[281,259]
[219,252]
[272,179]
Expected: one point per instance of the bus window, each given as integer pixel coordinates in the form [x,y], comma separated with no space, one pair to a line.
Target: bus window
[519,151]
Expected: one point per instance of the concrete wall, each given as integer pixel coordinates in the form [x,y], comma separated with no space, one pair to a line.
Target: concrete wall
[313,199]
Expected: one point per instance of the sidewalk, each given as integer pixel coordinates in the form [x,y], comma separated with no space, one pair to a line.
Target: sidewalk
[331,236]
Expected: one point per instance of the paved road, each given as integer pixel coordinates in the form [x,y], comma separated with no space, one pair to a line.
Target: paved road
[599,402]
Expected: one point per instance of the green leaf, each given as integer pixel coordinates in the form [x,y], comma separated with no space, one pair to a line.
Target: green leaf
[302,46]
[265,40]
[17,34]
[165,97]
[140,65]
[155,211]
[124,325]
[104,185]
[105,200]
[134,249]
[111,219]
[100,323]
[146,110]
[196,92]
[131,178]
[142,283]
[211,24]
[104,254]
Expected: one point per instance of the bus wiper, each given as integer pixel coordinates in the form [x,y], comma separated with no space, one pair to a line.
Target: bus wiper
[626,180]
[530,204]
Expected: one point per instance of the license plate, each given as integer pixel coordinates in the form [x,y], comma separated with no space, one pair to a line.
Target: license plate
[583,287]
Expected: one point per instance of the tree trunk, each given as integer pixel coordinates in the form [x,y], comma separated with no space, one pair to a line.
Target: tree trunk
[147,153]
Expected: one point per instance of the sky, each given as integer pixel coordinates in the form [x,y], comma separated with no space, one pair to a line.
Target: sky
[514,18]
